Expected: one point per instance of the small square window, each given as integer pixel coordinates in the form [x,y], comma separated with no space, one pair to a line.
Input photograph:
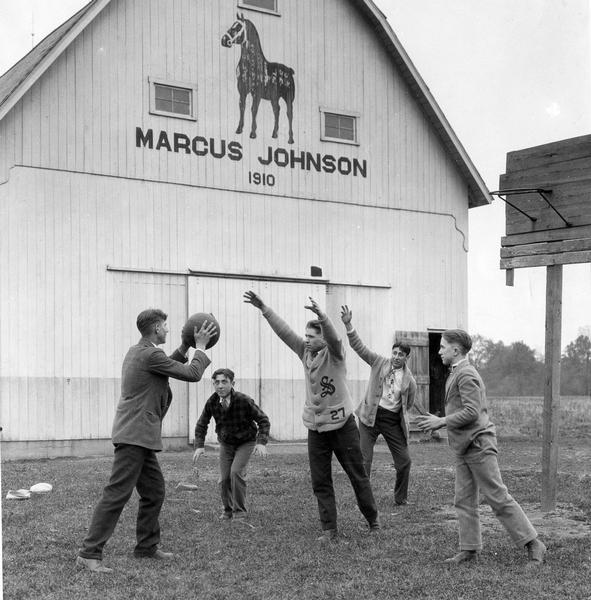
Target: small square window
[172,99]
[339,126]
[269,6]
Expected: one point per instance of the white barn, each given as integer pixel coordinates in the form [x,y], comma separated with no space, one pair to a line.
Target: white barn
[127,182]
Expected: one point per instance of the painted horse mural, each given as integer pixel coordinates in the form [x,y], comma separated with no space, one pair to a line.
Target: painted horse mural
[256,76]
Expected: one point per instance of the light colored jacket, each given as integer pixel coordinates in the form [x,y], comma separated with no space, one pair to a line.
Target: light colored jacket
[380,368]
[466,407]
[328,402]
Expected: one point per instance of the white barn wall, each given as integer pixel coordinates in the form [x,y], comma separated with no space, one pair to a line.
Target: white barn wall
[106,73]
[83,196]
[64,288]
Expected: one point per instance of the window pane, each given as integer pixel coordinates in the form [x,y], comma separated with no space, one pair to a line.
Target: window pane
[180,95]
[332,132]
[173,99]
[331,120]
[347,127]
[181,108]
[268,4]
[339,126]
[181,101]
[165,105]
[163,92]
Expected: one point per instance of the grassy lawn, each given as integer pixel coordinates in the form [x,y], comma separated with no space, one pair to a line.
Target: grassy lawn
[276,556]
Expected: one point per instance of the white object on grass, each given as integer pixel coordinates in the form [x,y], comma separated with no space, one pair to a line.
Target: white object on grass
[41,488]
[18,495]
[189,487]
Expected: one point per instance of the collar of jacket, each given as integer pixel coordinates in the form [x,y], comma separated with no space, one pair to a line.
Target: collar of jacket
[406,374]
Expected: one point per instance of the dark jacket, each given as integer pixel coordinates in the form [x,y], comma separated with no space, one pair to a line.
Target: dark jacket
[145,393]
[243,421]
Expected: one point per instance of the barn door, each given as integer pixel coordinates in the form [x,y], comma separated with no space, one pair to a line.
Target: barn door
[418,363]
[238,345]
[265,368]
[135,292]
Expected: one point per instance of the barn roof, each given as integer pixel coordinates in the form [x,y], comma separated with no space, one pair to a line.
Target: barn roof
[18,79]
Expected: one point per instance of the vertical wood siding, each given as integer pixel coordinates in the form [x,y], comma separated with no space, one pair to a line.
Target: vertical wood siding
[82,115]
[82,196]
[73,320]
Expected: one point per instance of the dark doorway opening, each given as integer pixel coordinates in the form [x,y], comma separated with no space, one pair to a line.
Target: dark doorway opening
[437,376]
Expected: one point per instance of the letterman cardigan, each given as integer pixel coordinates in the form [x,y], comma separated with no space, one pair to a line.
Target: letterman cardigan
[328,402]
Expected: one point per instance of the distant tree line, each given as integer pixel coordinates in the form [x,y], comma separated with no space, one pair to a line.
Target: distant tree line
[517,370]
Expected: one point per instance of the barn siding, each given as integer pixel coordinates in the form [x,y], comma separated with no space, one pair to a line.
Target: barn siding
[97,92]
[76,195]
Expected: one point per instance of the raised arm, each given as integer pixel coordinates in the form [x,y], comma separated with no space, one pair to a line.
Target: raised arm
[173,366]
[364,353]
[278,325]
[331,337]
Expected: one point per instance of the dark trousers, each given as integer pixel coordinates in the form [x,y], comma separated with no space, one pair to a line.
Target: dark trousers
[133,467]
[389,424]
[344,442]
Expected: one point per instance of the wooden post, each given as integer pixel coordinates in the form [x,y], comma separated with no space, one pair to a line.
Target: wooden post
[551,412]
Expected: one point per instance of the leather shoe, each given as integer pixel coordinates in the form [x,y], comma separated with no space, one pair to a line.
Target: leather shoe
[158,555]
[461,557]
[92,564]
[536,551]
[374,527]
[328,535]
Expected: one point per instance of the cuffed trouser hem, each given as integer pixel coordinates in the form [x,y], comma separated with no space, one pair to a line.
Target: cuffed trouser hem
[91,555]
[471,547]
[525,541]
[146,554]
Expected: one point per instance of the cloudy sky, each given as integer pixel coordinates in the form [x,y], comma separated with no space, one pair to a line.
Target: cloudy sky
[508,74]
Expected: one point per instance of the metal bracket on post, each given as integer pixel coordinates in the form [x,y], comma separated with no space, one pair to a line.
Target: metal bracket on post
[518,191]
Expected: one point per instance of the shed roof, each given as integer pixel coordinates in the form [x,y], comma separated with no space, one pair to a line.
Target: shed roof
[19,78]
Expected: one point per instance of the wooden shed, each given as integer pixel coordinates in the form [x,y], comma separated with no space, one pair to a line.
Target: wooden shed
[129,179]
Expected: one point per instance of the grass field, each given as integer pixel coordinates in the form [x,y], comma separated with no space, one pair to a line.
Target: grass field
[275,555]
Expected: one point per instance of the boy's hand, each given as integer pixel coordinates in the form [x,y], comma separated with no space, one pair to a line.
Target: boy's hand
[251,298]
[313,306]
[346,316]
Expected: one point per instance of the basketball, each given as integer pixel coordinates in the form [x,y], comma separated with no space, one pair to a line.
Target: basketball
[197,320]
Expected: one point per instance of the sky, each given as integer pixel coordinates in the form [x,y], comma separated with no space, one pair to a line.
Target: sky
[508,74]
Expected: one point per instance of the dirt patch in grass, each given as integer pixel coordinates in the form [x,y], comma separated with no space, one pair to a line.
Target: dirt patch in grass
[564,523]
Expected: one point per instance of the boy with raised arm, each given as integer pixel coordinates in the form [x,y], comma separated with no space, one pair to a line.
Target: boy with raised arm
[327,414]
[390,394]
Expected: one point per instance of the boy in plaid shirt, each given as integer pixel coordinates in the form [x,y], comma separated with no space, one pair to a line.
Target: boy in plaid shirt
[242,429]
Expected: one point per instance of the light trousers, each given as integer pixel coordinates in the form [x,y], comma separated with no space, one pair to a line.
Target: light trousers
[477,472]
[233,462]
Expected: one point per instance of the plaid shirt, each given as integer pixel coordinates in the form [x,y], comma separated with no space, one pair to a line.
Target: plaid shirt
[243,421]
